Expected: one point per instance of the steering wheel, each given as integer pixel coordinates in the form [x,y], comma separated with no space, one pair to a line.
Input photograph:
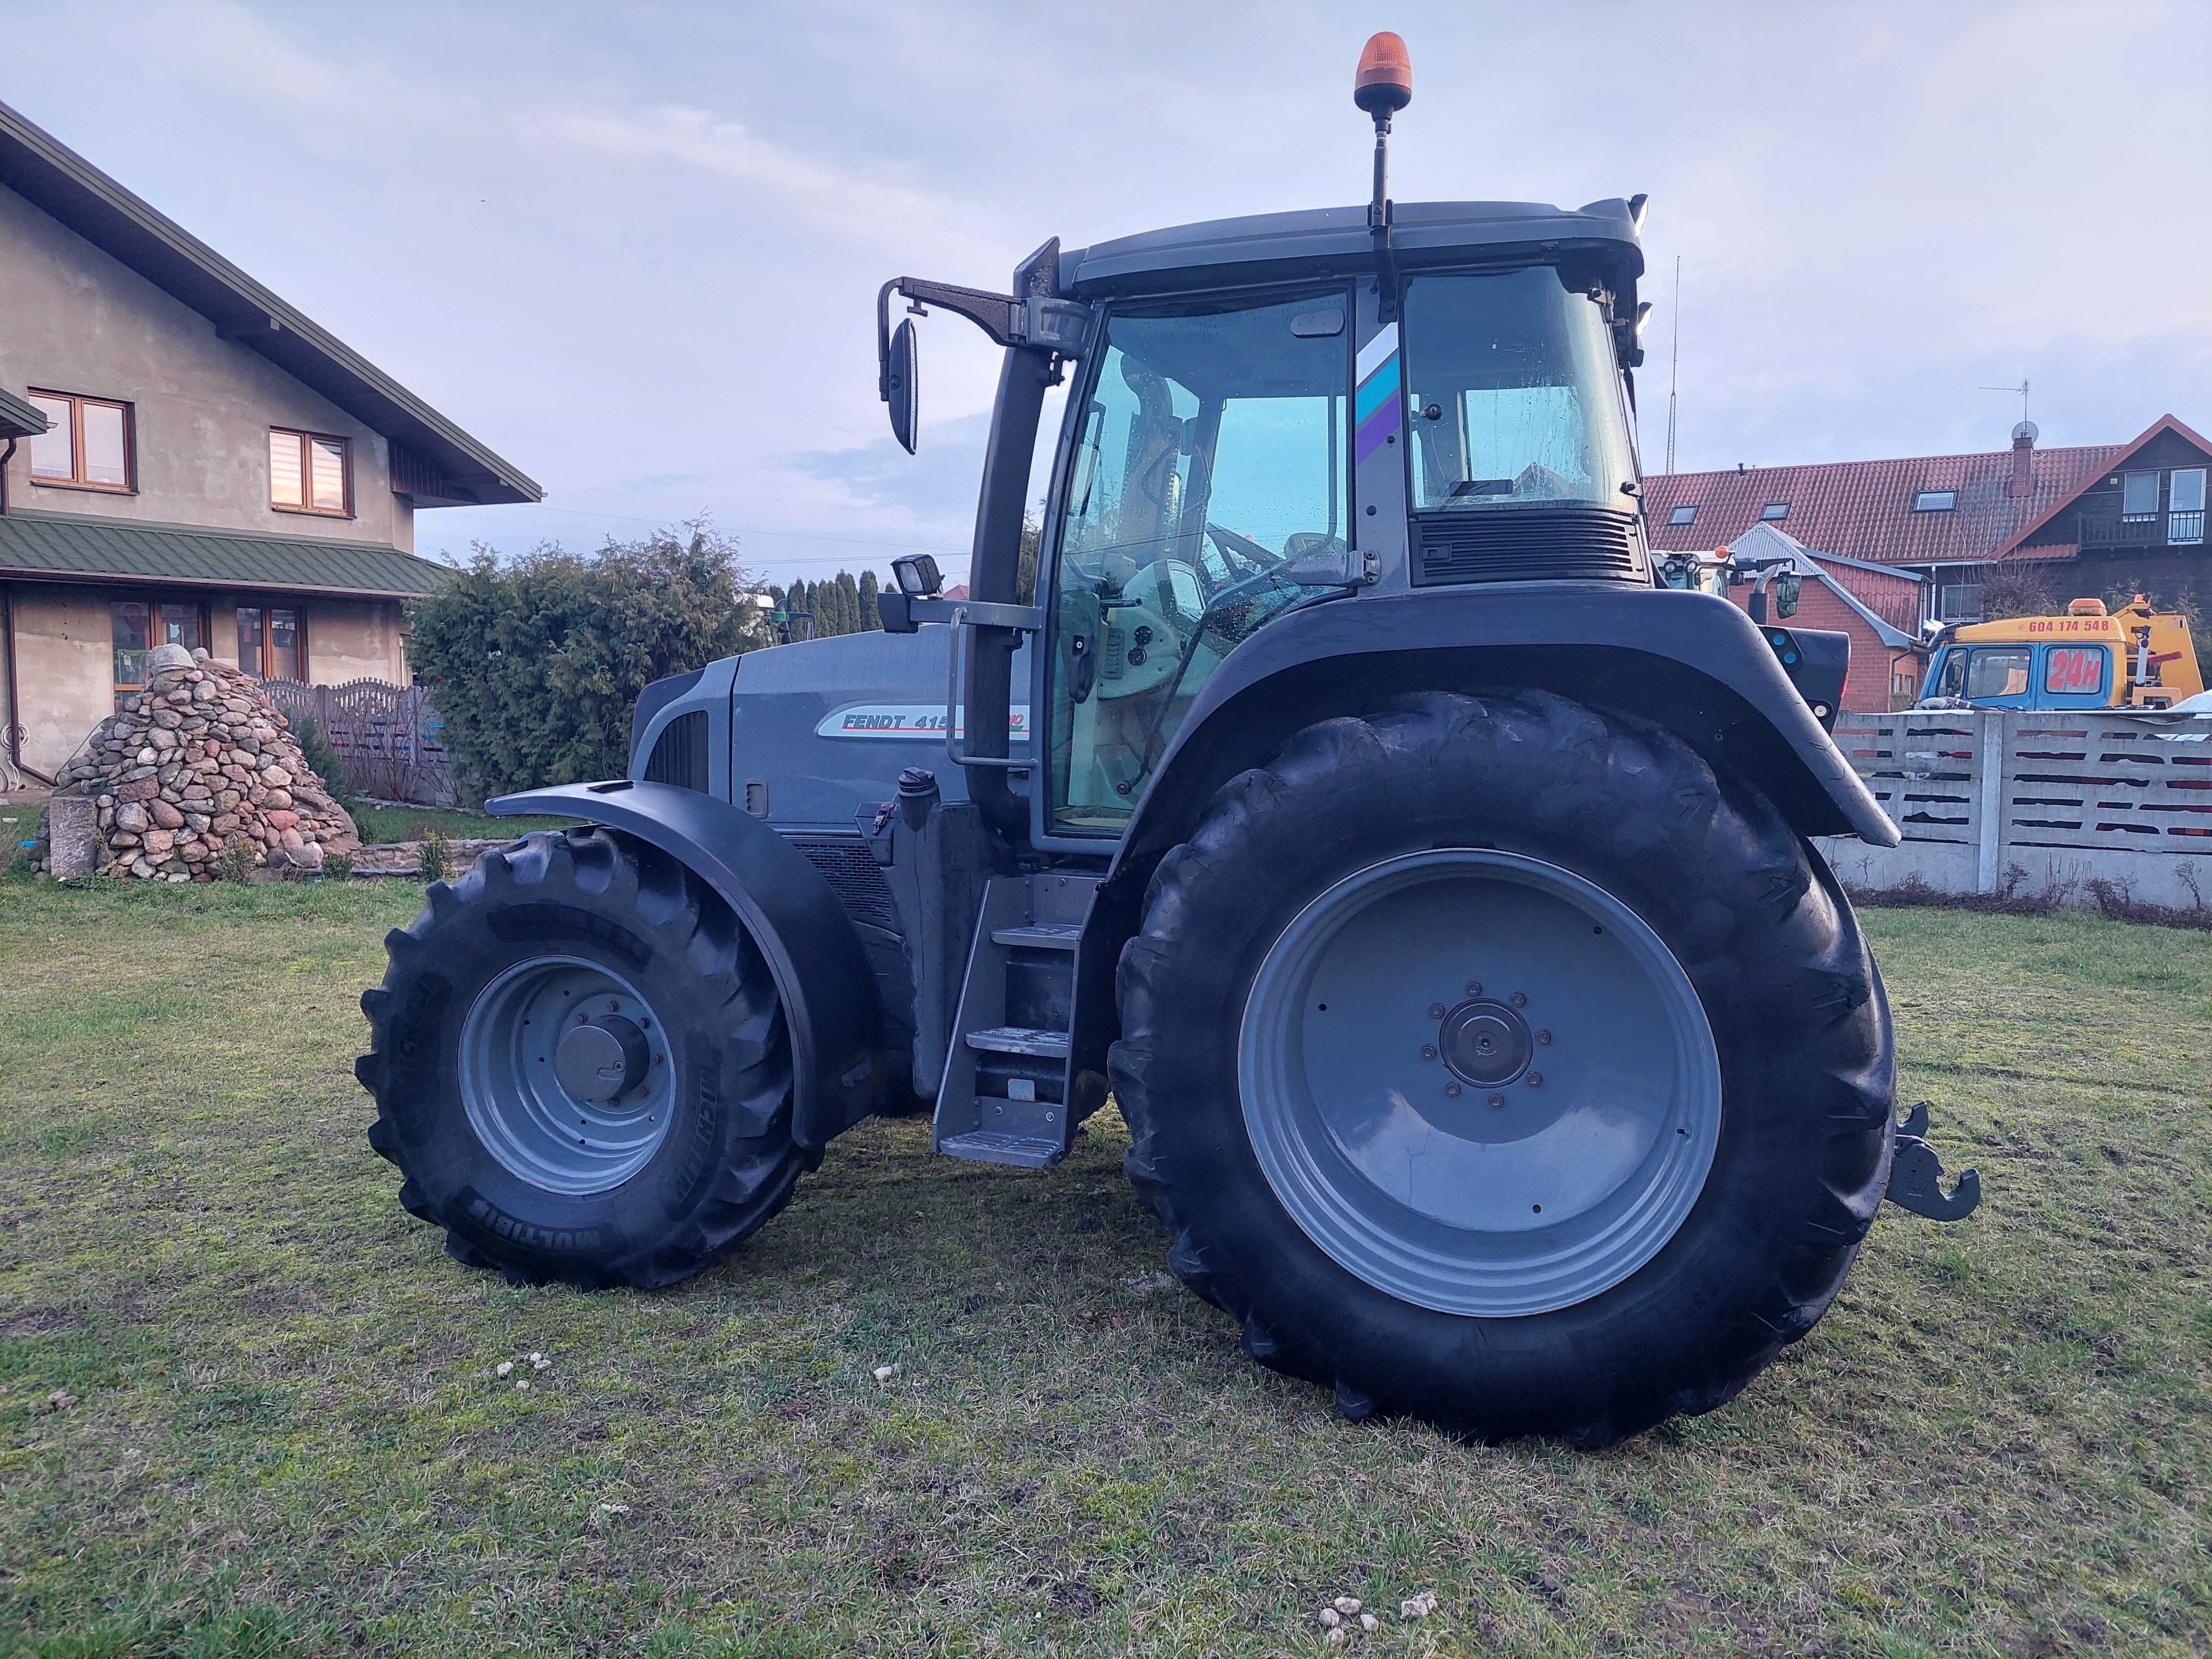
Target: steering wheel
[1244,547]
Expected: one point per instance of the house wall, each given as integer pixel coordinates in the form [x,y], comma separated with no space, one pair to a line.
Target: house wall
[73,318]
[66,644]
[1868,684]
[65,667]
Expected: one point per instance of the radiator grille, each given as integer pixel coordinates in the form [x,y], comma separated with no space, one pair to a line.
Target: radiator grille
[857,880]
[680,753]
[1545,544]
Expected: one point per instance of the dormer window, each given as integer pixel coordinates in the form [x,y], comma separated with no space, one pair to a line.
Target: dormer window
[1682,515]
[1935,501]
[1774,512]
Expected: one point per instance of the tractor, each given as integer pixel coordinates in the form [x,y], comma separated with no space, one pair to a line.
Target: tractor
[1332,786]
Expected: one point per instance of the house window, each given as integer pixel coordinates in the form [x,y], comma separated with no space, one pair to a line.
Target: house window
[310,473]
[1959,602]
[272,643]
[2185,502]
[1684,515]
[88,446]
[1935,501]
[2138,494]
[1775,512]
[137,625]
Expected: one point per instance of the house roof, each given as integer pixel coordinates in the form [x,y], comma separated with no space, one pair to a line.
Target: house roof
[55,180]
[68,548]
[20,419]
[1864,509]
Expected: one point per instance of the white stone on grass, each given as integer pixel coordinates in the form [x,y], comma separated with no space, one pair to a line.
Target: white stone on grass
[1418,1606]
[1347,1604]
[884,1373]
[506,1367]
[1369,1621]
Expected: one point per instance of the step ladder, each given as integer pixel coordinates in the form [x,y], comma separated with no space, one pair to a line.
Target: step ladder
[1007,1095]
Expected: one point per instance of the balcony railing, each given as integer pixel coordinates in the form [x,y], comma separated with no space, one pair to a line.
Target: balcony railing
[2143,530]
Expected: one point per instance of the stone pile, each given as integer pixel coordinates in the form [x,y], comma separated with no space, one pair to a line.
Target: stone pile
[199,763]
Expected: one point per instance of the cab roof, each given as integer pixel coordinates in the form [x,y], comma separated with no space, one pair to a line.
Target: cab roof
[1328,241]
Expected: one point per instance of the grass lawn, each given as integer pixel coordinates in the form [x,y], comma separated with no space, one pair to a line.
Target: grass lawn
[288,1433]
[381,824]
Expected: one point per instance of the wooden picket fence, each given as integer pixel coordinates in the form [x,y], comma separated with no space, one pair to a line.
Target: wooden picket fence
[387,736]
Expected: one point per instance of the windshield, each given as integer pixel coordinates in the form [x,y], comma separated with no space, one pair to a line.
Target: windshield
[1513,397]
[1211,454]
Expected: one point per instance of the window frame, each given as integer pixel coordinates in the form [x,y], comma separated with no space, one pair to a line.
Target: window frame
[308,472]
[266,607]
[76,480]
[2140,515]
[153,598]
[1926,501]
[1683,515]
[1768,515]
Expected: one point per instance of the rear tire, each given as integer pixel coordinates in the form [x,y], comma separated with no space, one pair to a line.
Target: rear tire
[477,1101]
[1349,1215]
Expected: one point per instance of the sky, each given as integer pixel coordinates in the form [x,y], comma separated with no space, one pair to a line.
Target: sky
[635,248]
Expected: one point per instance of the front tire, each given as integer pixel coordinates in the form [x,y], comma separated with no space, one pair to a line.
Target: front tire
[580,1066]
[1494,1062]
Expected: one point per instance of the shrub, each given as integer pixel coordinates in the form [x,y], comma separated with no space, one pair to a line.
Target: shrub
[535,665]
[235,861]
[434,858]
[315,749]
[338,867]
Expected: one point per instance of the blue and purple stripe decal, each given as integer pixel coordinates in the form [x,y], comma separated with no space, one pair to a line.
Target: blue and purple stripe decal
[1377,410]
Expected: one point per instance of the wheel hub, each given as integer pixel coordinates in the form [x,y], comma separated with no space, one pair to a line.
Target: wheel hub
[1487,1043]
[602,1060]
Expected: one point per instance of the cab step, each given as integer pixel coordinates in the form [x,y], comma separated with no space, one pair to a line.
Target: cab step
[1006,1091]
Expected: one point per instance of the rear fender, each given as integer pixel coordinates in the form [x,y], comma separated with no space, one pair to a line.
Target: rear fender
[1691,662]
[830,1003]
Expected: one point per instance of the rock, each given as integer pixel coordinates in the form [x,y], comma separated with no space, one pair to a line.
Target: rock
[162,658]
[204,691]
[167,719]
[165,815]
[1330,1618]
[73,831]
[1335,1638]
[129,815]
[198,823]
[280,801]
[141,869]
[1418,1606]
[289,839]
[884,1373]
[278,818]
[156,842]
[1369,1621]
[275,777]
[223,822]
[1347,1604]
[310,857]
[147,756]
[137,789]
[123,838]
[506,1368]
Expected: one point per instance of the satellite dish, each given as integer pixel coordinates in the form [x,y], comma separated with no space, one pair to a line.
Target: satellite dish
[2025,433]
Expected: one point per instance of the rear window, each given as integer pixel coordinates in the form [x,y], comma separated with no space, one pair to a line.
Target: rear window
[2075,670]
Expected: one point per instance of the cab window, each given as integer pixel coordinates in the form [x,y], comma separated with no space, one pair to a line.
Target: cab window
[1211,454]
[1998,671]
[2075,670]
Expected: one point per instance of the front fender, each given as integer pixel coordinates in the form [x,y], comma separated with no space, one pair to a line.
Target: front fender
[1691,662]
[831,1004]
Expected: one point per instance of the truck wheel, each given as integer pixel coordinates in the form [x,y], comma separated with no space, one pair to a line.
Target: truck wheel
[1492,1060]
[580,1066]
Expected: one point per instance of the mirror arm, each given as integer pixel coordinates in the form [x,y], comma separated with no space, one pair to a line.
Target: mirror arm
[1038,322]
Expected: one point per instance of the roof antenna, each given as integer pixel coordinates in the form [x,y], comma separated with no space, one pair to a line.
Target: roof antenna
[1383,86]
[2019,392]
[1673,360]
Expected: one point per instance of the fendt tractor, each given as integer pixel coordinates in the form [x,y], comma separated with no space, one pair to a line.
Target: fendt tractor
[1342,797]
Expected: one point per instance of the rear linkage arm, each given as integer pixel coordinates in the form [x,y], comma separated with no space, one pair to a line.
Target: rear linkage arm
[1916,1175]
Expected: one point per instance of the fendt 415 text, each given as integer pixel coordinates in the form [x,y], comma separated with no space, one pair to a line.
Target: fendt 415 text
[1339,790]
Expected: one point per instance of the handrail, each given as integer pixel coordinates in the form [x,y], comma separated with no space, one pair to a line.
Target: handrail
[956,697]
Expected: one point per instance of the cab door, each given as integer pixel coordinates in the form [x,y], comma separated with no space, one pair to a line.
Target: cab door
[2073,677]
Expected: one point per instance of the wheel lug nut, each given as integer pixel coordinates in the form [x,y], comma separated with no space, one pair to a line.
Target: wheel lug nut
[1535,1080]
[613,1007]
[1428,1051]
[1498,1100]
[1452,1089]
[1544,1038]
[1435,1011]
[1474,987]
[1518,1000]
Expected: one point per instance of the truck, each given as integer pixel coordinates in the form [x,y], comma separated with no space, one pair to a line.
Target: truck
[2135,657]
[1338,793]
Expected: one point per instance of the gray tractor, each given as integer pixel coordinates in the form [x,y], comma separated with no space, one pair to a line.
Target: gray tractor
[1338,789]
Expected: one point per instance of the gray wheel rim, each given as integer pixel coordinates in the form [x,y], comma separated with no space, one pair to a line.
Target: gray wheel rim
[1479,1082]
[521,1089]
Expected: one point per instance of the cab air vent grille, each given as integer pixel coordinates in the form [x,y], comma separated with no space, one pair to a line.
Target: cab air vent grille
[1546,544]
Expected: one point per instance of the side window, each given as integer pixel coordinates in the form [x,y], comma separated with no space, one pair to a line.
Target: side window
[1998,671]
[2075,670]
[1211,454]
[1952,681]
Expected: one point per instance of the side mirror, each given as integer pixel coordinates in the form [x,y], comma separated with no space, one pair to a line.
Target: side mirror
[899,385]
[1786,586]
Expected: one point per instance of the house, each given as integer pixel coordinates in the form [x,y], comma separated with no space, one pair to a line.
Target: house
[186,458]
[2098,518]
[1880,607]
